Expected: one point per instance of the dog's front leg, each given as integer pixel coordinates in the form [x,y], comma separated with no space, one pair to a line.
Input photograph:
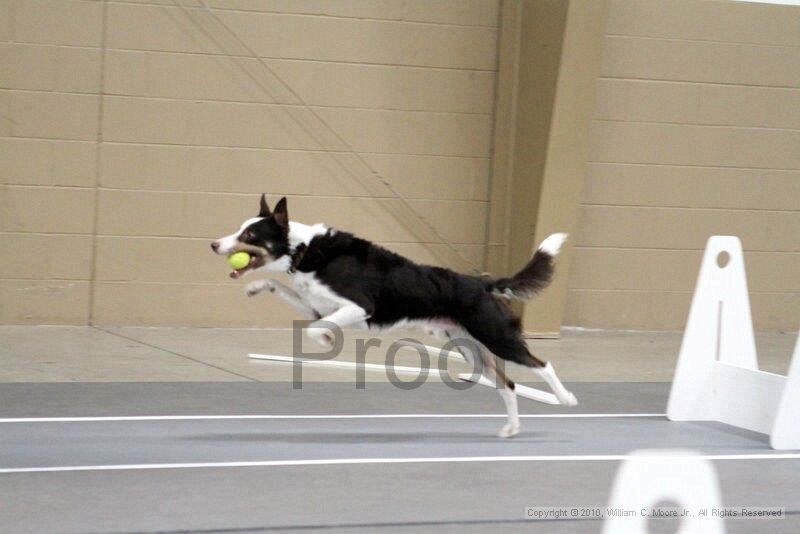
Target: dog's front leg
[257,286]
[348,315]
[288,295]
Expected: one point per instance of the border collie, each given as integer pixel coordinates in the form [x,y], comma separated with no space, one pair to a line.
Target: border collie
[351,282]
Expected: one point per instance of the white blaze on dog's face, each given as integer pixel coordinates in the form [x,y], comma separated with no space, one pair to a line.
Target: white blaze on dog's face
[229,244]
[265,238]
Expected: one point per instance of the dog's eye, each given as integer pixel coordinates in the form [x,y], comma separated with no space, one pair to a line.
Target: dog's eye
[249,234]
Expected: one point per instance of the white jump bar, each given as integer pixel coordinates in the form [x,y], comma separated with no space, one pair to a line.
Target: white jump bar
[434,351]
[343,365]
[523,391]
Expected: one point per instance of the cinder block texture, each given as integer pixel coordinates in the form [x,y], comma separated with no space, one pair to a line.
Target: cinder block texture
[696,132]
[134,132]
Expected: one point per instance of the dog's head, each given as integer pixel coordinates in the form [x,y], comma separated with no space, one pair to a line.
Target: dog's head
[265,238]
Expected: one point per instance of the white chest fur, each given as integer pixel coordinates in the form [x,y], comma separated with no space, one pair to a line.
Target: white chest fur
[323,300]
[317,295]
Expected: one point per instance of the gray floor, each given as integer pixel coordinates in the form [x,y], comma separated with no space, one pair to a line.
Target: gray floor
[473,496]
[144,354]
[113,372]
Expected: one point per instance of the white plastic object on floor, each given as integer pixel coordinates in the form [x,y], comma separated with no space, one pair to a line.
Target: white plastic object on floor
[525,392]
[786,429]
[651,477]
[432,351]
[717,376]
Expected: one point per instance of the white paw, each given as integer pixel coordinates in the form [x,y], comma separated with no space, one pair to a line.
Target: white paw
[509,431]
[323,336]
[254,288]
[569,400]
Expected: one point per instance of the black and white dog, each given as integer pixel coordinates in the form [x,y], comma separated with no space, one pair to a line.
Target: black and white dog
[351,282]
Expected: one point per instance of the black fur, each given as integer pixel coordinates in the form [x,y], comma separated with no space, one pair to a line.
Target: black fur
[267,234]
[377,286]
[391,288]
[272,232]
[534,277]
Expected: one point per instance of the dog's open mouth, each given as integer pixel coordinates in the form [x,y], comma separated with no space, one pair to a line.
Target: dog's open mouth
[256,261]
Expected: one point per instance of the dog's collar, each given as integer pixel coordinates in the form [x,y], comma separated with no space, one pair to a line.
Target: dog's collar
[296,257]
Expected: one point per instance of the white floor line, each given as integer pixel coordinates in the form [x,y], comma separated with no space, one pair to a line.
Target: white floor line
[320,416]
[364,461]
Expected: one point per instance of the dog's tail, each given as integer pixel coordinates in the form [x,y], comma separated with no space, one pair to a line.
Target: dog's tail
[535,276]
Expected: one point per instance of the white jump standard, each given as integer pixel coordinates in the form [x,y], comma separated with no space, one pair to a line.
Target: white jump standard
[717,376]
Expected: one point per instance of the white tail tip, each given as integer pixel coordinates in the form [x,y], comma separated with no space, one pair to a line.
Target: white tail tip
[552,245]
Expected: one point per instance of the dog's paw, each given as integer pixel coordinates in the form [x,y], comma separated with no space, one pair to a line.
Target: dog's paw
[508,431]
[569,399]
[254,288]
[323,336]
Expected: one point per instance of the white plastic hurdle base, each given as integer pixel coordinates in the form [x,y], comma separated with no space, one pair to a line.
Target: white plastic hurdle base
[717,376]
[522,391]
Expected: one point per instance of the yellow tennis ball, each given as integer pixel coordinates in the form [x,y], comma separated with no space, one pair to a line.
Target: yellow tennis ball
[239,260]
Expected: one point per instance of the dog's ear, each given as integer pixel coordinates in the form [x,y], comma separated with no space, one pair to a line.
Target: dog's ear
[264,212]
[281,214]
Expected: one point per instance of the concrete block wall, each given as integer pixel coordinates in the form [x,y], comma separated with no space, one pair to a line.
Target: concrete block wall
[133,132]
[696,132]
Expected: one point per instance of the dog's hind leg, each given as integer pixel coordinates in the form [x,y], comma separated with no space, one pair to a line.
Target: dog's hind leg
[548,374]
[509,345]
[506,389]
[500,334]
[514,349]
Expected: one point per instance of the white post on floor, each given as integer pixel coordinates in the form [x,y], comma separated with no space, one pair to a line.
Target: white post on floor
[717,376]
[649,478]
[786,429]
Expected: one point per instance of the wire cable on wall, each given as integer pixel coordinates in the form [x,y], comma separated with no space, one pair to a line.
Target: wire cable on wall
[293,106]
